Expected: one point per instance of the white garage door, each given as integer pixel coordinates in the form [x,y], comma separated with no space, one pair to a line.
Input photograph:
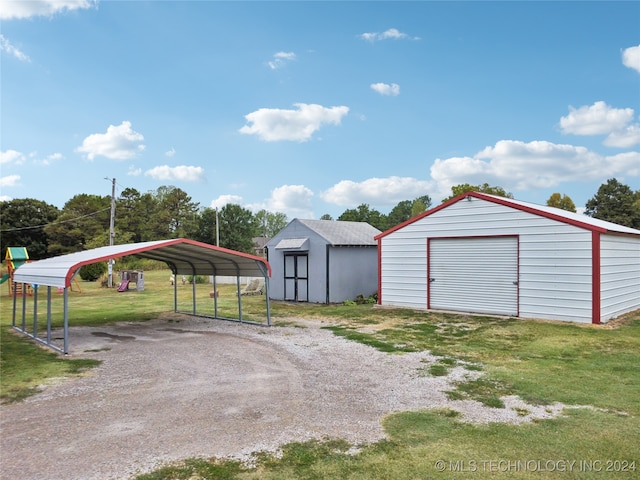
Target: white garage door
[474,274]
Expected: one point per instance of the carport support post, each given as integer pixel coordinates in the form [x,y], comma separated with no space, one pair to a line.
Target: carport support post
[175,291]
[266,292]
[49,315]
[215,296]
[66,320]
[13,319]
[35,311]
[193,291]
[239,297]
[24,307]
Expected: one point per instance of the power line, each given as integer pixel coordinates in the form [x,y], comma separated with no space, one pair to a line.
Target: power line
[55,223]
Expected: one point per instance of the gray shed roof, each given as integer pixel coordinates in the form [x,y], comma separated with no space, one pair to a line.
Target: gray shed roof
[337,232]
[183,256]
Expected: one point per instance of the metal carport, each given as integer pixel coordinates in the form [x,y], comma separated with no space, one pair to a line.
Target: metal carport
[183,256]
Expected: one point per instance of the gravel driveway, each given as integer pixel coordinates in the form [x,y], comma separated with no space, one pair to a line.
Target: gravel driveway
[180,387]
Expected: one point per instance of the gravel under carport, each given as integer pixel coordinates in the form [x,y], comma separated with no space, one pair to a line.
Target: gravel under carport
[180,387]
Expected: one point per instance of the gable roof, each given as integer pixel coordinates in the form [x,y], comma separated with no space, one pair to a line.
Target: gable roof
[576,219]
[337,232]
[183,256]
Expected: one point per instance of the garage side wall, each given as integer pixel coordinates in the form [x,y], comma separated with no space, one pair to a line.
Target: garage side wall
[619,275]
[554,258]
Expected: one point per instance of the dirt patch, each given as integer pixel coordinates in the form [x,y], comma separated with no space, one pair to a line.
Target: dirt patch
[182,387]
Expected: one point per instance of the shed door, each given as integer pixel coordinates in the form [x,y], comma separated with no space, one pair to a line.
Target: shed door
[296,278]
[473,274]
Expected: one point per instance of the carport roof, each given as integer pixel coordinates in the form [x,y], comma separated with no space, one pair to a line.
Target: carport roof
[184,256]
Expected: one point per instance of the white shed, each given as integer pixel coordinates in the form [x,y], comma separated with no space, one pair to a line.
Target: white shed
[323,261]
[481,253]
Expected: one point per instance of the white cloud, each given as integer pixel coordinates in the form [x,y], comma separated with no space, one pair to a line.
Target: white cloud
[392,33]
[171,152]
[386,89]
[6,46]
[118,143]
[49,159]
[274,124]
[625,138]
[10,181]
[280,59]
[183,173]
[5,198]
[134,172]
[223,200]
[293,200]
[33,8]
[631,58]
[515,165]
[601,119]
[11,156]
[597,119]
[376,191]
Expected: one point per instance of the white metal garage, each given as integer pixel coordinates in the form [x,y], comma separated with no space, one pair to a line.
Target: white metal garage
[485,254]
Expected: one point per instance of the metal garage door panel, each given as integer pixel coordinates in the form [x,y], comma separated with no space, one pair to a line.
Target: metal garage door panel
[478,274]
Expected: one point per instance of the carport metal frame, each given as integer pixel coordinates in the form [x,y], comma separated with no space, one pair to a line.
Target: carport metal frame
[183,256]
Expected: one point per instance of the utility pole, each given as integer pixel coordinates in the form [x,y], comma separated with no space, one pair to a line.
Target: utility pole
[217,229]
[112,232]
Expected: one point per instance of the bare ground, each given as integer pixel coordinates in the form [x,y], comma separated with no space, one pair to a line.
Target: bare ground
[181,387]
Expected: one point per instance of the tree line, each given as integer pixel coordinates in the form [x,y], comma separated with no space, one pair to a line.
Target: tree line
[169,212]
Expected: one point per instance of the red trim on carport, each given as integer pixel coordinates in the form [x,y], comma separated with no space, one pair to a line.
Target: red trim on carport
[72,270]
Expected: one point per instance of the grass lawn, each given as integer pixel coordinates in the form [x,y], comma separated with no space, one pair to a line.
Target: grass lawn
[593,369]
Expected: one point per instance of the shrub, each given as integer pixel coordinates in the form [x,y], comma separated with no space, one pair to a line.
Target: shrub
[93,271]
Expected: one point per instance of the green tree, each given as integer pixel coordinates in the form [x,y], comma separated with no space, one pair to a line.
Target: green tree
[484,188]
[617,203]
[237,228]
[365,214]
[269,224]
[561,201]
[206,228]
[134,216]
[22,223]
[420,205]
[407,209]
[177,214]
[400,213]
[82,218]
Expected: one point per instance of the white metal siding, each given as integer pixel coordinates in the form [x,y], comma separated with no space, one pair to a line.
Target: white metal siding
[554,263]
[619,275]
[474,274]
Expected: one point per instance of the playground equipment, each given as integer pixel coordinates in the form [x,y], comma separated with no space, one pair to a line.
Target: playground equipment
[15,257]
[129,277]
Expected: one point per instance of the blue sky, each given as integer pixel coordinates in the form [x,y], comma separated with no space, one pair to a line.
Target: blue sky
[309,108]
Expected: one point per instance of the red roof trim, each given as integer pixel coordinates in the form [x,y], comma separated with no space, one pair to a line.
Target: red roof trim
[73,269]
[501,201]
